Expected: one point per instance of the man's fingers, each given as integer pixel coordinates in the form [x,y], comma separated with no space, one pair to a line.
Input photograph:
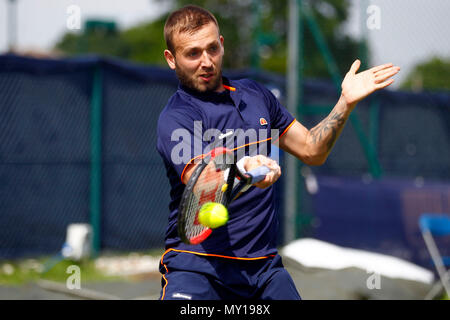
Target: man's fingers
[384,84]
[387,70]
[381,67]
[355,66]
[270,163]
[381,77]
[270,179]
[272,176]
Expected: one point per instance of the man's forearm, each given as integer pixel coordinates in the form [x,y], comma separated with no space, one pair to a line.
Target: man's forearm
[322,137]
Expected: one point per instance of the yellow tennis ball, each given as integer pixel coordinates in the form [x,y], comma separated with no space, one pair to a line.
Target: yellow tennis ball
[213,215]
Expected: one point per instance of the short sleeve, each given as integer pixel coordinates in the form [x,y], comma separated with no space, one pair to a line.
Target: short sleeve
[280,117]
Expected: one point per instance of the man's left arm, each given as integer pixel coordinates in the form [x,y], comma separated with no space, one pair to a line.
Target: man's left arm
[313,146]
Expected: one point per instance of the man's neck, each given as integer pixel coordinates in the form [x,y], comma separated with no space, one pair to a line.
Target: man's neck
[220,88]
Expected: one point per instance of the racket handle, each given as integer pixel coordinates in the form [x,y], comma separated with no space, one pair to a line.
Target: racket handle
[258,174]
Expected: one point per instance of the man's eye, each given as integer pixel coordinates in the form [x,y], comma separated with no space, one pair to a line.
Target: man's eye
[193,53]
[213,49]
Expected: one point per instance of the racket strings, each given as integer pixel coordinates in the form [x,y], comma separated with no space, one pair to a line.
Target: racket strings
[207,189]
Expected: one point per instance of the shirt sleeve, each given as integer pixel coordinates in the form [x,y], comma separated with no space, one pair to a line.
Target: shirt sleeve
[280,117]
[180,133]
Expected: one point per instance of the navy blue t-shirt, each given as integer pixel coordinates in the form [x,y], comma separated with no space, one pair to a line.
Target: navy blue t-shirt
[184,128]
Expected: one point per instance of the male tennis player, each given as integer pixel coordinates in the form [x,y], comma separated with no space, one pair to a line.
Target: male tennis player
[240,259]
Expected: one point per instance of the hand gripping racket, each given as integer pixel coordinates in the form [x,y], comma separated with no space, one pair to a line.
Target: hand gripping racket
[213,180]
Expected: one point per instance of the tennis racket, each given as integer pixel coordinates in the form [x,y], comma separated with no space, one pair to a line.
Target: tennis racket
[213,180]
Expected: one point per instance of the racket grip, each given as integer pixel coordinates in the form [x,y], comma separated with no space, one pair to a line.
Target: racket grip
[258,174]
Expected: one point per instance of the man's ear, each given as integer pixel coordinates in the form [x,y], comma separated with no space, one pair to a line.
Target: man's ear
[170,58]
[222,48]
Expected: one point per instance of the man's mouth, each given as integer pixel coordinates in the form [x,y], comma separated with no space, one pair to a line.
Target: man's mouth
[206,77]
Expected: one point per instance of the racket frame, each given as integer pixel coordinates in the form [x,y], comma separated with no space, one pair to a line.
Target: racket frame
[230,194]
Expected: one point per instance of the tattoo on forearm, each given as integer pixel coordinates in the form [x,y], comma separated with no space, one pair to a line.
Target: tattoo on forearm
[329,127]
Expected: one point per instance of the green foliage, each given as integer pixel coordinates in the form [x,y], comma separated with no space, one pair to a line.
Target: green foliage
[433,74]
[329,15]
[244,24]
[143,43]
[95,41]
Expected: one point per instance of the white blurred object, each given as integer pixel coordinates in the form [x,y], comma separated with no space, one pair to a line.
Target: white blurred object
[8,269]
[310,180]
[127,266]
[319,254]
[78,243]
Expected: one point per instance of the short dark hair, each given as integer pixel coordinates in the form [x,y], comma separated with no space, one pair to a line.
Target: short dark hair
[187,19]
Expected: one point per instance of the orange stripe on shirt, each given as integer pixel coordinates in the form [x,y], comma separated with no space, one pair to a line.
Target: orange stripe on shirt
[249,144]
[285,130]
[164,277]
[204,255]
[204,155]
[190,162]
[234,149]
[217,255]
[164,288]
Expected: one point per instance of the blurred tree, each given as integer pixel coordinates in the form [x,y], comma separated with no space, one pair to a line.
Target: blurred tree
[433,74]
[242,23]
[142,43]
[238,23]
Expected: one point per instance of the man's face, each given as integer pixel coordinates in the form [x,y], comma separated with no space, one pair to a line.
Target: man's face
[198,58]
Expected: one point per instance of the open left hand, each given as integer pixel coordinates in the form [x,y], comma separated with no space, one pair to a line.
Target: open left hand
[357,86]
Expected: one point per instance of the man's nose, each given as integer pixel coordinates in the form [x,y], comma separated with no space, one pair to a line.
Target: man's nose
[206,61]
